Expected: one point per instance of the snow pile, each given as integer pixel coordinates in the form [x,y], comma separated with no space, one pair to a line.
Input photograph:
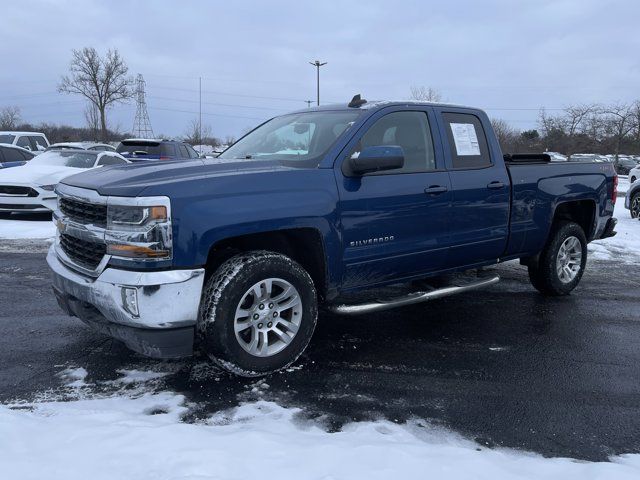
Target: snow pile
[25,229]
[623,185]
[625,246]
[143,437]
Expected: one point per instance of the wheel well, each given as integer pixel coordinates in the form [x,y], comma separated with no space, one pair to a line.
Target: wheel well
[304,245]
[581,212]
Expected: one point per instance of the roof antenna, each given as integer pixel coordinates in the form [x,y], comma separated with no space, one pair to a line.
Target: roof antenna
[356,101]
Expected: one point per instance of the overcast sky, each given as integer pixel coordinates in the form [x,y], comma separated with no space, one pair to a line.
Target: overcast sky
[509,57]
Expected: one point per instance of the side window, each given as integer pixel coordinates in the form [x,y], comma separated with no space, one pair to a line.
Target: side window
[467,141]
[192,152]
[38,144]
[12,155]
[24,143]
[168,150]
[409,130]
[110,160]
[184,153]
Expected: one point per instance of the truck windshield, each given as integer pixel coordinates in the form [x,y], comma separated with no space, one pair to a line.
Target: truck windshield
[299,137]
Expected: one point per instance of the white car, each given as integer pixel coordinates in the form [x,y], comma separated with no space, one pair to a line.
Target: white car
[103,147]
[30,188]
[634,174]
[35,142]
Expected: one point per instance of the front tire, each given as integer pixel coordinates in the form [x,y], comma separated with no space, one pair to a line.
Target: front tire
[634,206]
[258,313]
[562,261]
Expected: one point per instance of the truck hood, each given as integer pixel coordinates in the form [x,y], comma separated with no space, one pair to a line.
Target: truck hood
[132,179]
[37,174]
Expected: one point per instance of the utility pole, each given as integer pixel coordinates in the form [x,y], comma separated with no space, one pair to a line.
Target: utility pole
[200,114]
[318,64]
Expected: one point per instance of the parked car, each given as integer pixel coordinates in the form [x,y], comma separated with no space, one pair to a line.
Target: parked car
[307,209]
[634,174]
[624,165]
[35,142]
[584,157]
[13,156]
[30,188]
[632,198]
[100,147]
[140,149]
[557,157]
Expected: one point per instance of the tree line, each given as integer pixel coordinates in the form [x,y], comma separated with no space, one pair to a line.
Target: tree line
[584,128]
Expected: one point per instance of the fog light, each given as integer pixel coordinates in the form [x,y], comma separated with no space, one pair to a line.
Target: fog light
[130,300]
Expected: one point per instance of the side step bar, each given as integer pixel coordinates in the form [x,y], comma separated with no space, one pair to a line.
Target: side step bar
[411,298]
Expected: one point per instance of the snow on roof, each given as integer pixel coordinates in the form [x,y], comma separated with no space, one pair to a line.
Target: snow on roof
[10,132]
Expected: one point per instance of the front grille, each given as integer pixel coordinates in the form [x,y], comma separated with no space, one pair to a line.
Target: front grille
[83,212]
[15,206]
[85,253]
[18,191]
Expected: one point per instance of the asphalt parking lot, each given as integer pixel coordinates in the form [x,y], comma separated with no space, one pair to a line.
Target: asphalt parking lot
[504,366]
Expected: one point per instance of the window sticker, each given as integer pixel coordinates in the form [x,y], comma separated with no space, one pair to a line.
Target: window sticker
[465,138]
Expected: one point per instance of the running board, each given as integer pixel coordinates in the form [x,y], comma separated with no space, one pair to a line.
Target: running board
[411,298]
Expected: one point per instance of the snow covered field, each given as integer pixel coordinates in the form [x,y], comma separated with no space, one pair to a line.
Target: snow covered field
[138,435]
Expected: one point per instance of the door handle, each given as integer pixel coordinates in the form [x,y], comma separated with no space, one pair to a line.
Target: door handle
[495,185]
[435,190]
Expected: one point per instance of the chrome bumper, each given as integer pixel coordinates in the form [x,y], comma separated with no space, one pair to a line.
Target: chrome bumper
[166,300]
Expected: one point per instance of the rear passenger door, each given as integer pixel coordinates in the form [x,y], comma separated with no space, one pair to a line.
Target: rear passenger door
[479,222]
[395,223]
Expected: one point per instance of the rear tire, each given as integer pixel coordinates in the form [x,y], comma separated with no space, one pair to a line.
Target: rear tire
[257,314]
[634,206]
[562,261]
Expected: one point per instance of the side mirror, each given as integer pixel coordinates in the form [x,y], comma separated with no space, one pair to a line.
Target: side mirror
[377,159]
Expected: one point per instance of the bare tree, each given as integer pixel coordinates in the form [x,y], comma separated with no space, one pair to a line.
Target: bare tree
[92,117]
[507,135]
[9,118]
[102,81]
[198,136]
[425,94]
[620,121]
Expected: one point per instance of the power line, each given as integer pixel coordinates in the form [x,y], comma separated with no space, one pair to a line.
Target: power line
[214,103]
[206,113]
[232,94]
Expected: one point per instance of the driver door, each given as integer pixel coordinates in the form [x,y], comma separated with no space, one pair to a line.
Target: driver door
[395,223]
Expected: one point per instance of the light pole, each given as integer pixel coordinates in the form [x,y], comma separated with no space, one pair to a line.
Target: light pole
[318,64]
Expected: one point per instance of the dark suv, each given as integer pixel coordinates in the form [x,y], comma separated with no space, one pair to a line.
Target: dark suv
[138,149]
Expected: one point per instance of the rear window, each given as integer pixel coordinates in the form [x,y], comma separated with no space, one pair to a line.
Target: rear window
[7,138]
[467,141]
[140,148]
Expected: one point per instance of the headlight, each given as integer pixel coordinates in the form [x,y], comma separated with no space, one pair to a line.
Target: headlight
[140,231]
[49,188]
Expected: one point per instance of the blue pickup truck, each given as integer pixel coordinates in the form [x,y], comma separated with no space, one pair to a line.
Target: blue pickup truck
[235,255]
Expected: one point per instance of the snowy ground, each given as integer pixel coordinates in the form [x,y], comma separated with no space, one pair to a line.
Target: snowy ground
[21,228]
[625,246]
[131,433]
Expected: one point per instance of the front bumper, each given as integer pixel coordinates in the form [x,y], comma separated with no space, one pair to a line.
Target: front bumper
[167,301]
[42,201]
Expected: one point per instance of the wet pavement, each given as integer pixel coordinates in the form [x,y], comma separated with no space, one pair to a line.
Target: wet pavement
[503,366]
